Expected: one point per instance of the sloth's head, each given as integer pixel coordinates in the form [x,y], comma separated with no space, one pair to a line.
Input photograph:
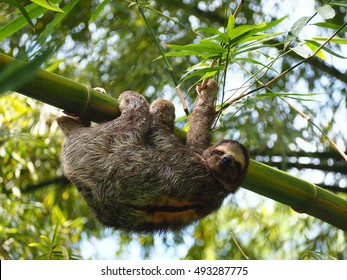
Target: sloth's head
[228,161]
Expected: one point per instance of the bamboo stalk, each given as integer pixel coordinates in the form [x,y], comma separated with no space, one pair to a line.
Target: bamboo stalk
[66,94]
[301,195]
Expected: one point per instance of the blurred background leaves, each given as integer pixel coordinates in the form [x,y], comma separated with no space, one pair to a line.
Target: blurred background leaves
[107,44]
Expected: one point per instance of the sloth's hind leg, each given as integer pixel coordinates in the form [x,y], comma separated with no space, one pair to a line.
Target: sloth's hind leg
[163,113]
[132,126]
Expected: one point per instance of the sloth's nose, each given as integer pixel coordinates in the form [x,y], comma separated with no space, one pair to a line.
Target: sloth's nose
[227,160]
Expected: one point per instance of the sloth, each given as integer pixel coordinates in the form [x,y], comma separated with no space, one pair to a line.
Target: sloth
[136,175]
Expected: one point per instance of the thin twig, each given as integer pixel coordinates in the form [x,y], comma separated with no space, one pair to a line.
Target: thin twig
[286,71]
[180,95]
[253,76]
[238,8]
[297,110]
[185,107]
[238,245]
[173,20]
[246,92]
[336,147]
[309,57]
[308,118]
[344,156]
[158,44]
[214,62]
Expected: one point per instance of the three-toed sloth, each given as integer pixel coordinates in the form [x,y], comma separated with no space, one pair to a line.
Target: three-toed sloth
[136,175]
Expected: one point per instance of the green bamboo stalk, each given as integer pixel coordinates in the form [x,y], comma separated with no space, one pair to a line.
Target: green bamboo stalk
[66,94]
[301,195]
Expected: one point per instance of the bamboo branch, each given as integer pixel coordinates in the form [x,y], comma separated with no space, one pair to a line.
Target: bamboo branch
[66,94]
[301,195]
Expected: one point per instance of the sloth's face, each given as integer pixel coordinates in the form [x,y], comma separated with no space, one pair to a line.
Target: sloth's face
[228,160]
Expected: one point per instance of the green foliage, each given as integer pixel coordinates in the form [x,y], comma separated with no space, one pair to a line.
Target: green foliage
[48,5]
[50,247]
[28,13]
[225,47]
[108,44]
[25,14]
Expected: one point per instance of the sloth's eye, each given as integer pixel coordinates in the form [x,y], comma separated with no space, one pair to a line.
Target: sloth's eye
[218,152]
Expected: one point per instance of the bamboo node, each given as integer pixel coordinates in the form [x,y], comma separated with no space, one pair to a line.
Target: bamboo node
[313,202]
[86,104]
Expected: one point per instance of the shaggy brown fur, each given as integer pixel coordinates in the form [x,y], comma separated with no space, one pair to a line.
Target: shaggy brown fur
[136,175]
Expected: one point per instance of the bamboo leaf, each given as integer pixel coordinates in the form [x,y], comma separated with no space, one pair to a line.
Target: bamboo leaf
[45,238]
[297,27]
[314,47]
[57,20]
[256,39]
[250,103]
[296,96]
[39,245]
[206,47]
[209,30]
[272,24]
[333,40]
[199,72]
[42,257]
[60,252]
[244,32]
[221,38]
[45,245]
[230,25]
[301,50]
[326,49]
[329,26]
[267,26]
[182,53]
[55,235]
[242,29]
[197,69]
[33,11]
[21,9]
[252,47]
[48,5]
[206,50]
[253,61]
[207,75]
[98,10]
[326,11]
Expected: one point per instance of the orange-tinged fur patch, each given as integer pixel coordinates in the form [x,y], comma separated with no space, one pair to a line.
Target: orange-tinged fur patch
[159,216]
[172,217]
